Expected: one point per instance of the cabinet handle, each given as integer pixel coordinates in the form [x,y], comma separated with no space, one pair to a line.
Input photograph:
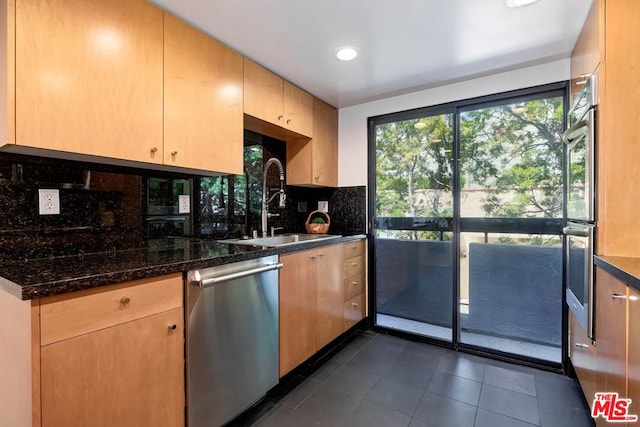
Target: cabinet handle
[154,150]
[355,304]
[582,82]
[320,254]
[173,327]
[288,121]
[280,117]
[355,264]
[174,153]
[580,345]
[354,283]
[316,178]
[313,256]
[618,296]
[125,300]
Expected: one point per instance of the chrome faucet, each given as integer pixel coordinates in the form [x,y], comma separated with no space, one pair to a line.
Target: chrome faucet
[265,196]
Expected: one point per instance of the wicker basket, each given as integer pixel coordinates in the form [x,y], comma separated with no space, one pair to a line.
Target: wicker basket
[314,228]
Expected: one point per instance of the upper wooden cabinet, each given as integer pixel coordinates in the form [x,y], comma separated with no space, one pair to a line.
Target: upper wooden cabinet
[589,49]
[203,119]
[88,77]
[618,144]
[315,162]
[273,100]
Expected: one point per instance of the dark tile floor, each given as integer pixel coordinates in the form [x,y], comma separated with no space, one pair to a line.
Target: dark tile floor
[379,380]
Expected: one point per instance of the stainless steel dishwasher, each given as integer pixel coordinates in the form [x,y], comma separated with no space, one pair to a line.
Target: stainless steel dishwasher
[232,338]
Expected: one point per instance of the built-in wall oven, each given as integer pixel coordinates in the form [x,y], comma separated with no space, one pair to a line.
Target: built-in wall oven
[580,182]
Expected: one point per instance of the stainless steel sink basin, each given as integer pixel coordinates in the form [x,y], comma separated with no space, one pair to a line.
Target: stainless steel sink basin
[281,240]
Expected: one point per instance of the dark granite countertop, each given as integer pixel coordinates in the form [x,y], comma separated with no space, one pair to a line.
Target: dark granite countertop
[625,269]
[37,278]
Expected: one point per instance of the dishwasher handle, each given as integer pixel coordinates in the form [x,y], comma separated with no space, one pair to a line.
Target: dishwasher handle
[207,282]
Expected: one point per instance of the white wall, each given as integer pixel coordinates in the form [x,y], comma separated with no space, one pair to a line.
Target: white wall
[352,137]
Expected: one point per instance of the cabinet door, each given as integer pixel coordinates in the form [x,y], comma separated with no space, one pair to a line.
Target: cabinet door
[298,110]
[130,374]
[89,77]
[263,93]
[298,302]
[330,294]
[633,369]
[583,358]
[203,121]
[589,50]
[611,333]
[325,145]
[315,162]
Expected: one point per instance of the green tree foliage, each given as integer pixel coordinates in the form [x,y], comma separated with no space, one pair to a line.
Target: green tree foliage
[512,154]
[413,156]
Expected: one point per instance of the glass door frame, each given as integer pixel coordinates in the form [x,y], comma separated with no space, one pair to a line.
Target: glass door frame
[540,225]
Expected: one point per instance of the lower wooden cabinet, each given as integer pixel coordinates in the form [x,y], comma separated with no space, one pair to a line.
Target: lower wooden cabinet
[611,335]
[298,299]
[110,356]
[355,302]
[129,374]
[583,357]
[633,366]
[330,294]
[311,303]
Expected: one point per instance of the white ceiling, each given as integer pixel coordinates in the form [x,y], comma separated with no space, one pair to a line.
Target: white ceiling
[404,45]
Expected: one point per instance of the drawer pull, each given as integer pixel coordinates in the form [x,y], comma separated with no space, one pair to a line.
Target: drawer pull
[320,254]
[173,327]
[354,283]
[354,304]
[313,256]
[125,300]
[280,117]
[580,345]
[154,150]
[288,121]
[618,296]
[355,264]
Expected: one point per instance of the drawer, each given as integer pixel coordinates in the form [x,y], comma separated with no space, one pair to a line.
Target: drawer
[78,313]
[352,249]
[353,286]
[354,310]
[353,266]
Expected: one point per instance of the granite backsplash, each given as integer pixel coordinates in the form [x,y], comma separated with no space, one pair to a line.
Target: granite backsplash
[103,208]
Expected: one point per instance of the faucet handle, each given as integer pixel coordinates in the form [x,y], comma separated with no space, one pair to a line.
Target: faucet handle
[273,230]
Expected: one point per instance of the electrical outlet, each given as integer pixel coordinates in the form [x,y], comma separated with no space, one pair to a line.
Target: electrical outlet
[48,201]
[184,204]
[323,206]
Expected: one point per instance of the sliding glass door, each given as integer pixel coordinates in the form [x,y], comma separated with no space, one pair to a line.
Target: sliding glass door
[470,251]
[413,224]
[510,224]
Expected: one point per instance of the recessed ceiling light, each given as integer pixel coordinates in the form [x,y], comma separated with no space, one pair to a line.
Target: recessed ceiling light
[520,3]
[346,53]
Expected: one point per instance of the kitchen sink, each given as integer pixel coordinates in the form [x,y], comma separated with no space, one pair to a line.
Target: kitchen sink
[281,240]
